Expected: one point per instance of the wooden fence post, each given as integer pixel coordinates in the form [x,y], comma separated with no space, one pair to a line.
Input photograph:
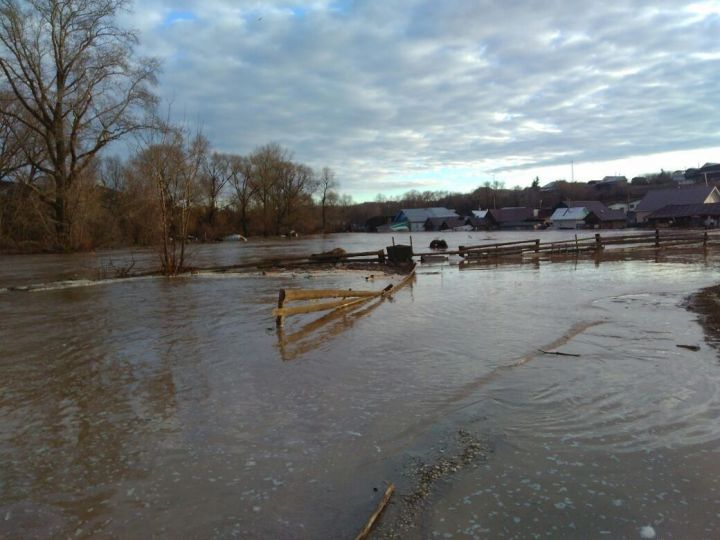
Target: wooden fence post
[598,242]
[705,240]
[281,302]
[537,245]
[657,238]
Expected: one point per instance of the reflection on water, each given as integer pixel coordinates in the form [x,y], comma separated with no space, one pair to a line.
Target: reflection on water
[165,407]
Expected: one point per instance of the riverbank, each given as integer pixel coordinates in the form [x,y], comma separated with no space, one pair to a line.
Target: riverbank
[706,303]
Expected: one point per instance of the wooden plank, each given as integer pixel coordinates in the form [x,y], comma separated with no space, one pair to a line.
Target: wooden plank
[283,311]
[320,306]
[392,289]
[345,255]
[307,294]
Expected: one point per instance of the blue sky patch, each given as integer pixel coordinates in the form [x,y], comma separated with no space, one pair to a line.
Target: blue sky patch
[179,16]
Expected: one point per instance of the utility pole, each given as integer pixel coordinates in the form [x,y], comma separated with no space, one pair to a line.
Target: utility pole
[572,170]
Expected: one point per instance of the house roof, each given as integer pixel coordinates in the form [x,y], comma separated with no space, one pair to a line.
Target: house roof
[602,212]
[453,221]
[420,215]
[686,210]
[480,214]
[513,214]
[571,214]
[655,200]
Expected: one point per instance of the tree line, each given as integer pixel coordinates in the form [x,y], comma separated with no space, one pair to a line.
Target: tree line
[71,87]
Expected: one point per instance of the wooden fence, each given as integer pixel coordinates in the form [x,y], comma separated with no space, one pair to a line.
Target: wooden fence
[592,244]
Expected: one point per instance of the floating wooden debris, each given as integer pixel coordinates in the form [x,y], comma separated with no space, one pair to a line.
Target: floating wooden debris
[365,532]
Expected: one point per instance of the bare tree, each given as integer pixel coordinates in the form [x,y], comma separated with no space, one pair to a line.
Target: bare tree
[72,70]
[173,167]
[216,174]
[266,162]
[13,139]
[293,182]
[327,186]
[241,178]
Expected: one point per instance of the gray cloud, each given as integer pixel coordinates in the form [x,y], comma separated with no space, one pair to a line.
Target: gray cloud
[385,91]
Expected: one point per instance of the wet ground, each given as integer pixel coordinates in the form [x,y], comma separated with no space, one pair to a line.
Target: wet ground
[174,408]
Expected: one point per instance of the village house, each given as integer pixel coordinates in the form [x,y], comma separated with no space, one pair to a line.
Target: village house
[657,199]
[625,207]
[686,215]
[609,182]
[514,218]
[481,220]
[569,218]
[710,172]
[416,218]
[596,216]
[446,223]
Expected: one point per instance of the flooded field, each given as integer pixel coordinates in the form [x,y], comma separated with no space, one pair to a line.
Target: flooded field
[174,408]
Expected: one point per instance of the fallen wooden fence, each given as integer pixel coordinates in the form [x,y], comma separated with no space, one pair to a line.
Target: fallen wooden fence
[348,298]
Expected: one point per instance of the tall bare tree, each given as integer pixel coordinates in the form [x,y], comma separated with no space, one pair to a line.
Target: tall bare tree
[215,175]
[73,71]
[173,166]
[326,186]
[293,183]
[266,162]
[241,178]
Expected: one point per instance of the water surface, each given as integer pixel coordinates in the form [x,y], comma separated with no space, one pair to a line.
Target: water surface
[169,407]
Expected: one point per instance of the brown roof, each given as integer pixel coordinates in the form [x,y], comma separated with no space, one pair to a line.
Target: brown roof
[513,214]
[686,210]
[655,200]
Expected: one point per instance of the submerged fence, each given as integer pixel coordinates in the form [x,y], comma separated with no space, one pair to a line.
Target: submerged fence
[594,244]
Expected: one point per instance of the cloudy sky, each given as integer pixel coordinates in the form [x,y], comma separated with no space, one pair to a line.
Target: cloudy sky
[407,94]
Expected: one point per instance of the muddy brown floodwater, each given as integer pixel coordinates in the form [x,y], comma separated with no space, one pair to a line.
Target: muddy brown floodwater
[172,407]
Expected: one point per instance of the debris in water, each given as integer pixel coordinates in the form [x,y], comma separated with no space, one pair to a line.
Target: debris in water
[365,532]
[438,243]
[689,347]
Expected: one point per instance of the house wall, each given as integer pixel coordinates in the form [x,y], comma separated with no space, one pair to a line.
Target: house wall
[568,224]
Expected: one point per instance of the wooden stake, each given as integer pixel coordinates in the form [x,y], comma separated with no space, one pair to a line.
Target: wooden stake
[281,302]
[363,534]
